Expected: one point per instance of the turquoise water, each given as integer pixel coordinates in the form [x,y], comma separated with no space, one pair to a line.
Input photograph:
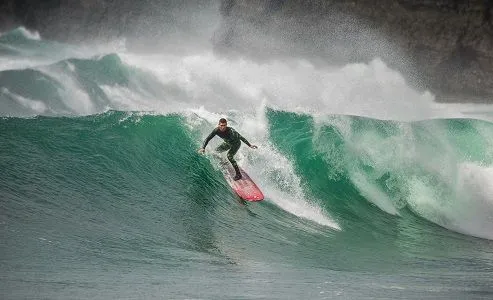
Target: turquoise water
[101,200]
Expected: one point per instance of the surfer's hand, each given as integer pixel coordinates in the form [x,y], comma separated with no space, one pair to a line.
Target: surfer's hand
[253,147]
[201,150]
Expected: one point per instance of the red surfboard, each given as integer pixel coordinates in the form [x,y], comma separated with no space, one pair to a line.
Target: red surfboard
[245,188]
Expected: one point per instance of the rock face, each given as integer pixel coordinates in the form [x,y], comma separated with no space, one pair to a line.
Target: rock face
[443,46]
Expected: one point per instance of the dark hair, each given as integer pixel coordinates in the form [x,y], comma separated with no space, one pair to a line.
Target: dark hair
[223,120]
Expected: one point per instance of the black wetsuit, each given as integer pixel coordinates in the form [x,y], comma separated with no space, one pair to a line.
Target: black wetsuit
[232,142]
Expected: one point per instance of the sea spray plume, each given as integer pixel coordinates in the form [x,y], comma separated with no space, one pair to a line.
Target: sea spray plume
[373,90]
[327,36]
[435,45]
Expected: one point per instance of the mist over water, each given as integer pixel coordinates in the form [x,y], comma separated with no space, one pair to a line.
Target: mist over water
[183,68]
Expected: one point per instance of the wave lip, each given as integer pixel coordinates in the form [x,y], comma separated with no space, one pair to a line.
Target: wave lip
[31,35]
[20,33]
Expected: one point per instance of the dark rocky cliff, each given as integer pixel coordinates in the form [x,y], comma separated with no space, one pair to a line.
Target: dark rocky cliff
[444,46]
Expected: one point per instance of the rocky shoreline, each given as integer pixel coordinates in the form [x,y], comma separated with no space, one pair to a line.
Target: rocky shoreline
[443,46]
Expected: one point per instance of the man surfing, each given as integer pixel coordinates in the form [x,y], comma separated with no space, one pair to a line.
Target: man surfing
[232,142]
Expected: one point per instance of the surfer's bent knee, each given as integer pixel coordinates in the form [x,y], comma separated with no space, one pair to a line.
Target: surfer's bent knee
[231,158]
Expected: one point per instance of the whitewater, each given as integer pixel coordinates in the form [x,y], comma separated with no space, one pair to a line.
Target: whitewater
[373,189]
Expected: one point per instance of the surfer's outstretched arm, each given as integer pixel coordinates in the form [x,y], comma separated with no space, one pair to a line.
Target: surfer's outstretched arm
[246,142]
[207,139]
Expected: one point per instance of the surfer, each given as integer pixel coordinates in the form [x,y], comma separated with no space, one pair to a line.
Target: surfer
[232,142]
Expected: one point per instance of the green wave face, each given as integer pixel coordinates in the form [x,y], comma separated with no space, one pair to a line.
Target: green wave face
[369,175]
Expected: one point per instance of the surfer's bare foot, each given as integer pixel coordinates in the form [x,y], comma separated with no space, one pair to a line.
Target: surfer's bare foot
[237,176]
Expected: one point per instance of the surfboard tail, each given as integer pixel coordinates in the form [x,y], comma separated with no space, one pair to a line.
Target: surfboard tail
[245,187]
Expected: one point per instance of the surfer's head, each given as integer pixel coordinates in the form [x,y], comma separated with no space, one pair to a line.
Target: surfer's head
[223,124]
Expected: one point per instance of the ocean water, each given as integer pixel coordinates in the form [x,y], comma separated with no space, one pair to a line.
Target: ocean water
[373,190]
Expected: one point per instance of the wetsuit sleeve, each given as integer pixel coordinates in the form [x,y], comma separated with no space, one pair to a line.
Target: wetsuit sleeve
[244,140]
[207,139]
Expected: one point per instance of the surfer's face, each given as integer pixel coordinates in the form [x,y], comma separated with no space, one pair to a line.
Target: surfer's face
[222,126]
